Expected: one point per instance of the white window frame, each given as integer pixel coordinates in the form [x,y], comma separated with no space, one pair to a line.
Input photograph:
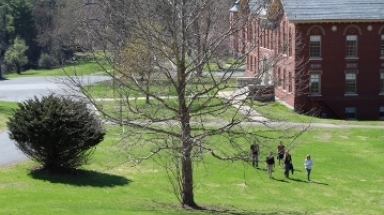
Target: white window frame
[350,113]
[351,46]
[350,80]
[315,78]
[382,82]
[382,46]
[381,112]
[315,46]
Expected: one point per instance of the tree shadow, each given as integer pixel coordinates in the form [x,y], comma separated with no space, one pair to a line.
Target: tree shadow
[235,212]
[214,209]
[3,79]
[81,178]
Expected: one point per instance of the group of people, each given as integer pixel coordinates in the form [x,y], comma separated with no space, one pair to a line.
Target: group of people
[284,158]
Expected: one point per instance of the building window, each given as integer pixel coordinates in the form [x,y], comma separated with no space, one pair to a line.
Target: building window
[278,41]
[350,83]
[350,113]
[315,46]
[351,46]
[284,45]
[382,46]
[290,42]
[314,84]
[290,82]
[381,112]
[382,82]
[279,77]
[250,63]
[284,79]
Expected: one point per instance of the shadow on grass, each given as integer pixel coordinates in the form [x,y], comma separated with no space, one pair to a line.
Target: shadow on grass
[280,180]
[237,212]
[317,182]
[213,209]
[6,110]
[298,180]
[81,178]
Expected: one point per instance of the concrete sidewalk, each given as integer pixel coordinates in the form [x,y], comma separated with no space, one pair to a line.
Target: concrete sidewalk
[237,100]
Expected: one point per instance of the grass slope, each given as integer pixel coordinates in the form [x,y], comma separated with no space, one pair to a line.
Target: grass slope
[347,179]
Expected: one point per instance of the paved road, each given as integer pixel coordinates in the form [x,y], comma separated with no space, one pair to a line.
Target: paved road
[20,89]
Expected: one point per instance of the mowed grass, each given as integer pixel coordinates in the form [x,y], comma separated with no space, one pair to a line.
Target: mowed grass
[347,178]
[155,110]
[6,110]
[79,69]
[276,111]
[159,87]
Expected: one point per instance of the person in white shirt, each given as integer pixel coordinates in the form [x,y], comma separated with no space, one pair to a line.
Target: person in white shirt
[308,165]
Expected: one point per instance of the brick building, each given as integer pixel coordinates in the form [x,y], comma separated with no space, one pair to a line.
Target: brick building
[324,58]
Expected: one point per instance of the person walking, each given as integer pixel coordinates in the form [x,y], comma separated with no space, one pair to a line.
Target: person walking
[287,161]
[255,152]
[280,152]
[270,163]
[308,166]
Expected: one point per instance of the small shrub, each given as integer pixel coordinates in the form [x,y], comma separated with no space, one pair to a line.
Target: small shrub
[60,133]
[46,61]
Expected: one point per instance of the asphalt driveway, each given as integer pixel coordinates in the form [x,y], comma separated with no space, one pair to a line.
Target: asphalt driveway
[20,89]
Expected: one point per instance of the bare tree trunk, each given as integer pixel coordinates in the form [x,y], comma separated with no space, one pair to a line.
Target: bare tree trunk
[147,84]
[18,68]
[187,195]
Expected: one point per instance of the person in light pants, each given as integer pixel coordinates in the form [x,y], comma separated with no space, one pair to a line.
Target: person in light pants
[308,165]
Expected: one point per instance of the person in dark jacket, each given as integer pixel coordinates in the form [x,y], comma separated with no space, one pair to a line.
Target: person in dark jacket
[280,153]
[255,152]
[287,160]
[270,163]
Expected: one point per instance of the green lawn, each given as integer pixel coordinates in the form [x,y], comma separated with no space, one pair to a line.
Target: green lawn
[140,110]
[69,69]
[346,179]
[275,111]
[160,87]
[5,112]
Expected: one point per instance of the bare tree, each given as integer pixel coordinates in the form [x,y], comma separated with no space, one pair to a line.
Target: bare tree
[172,40]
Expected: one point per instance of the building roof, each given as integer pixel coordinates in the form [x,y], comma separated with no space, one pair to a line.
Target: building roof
[333,10]
[235,7]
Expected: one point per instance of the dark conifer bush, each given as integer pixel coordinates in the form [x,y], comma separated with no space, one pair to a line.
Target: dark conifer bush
[60,133]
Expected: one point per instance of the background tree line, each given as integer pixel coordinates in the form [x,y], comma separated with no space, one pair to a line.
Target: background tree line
[36,33]
[45,33]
